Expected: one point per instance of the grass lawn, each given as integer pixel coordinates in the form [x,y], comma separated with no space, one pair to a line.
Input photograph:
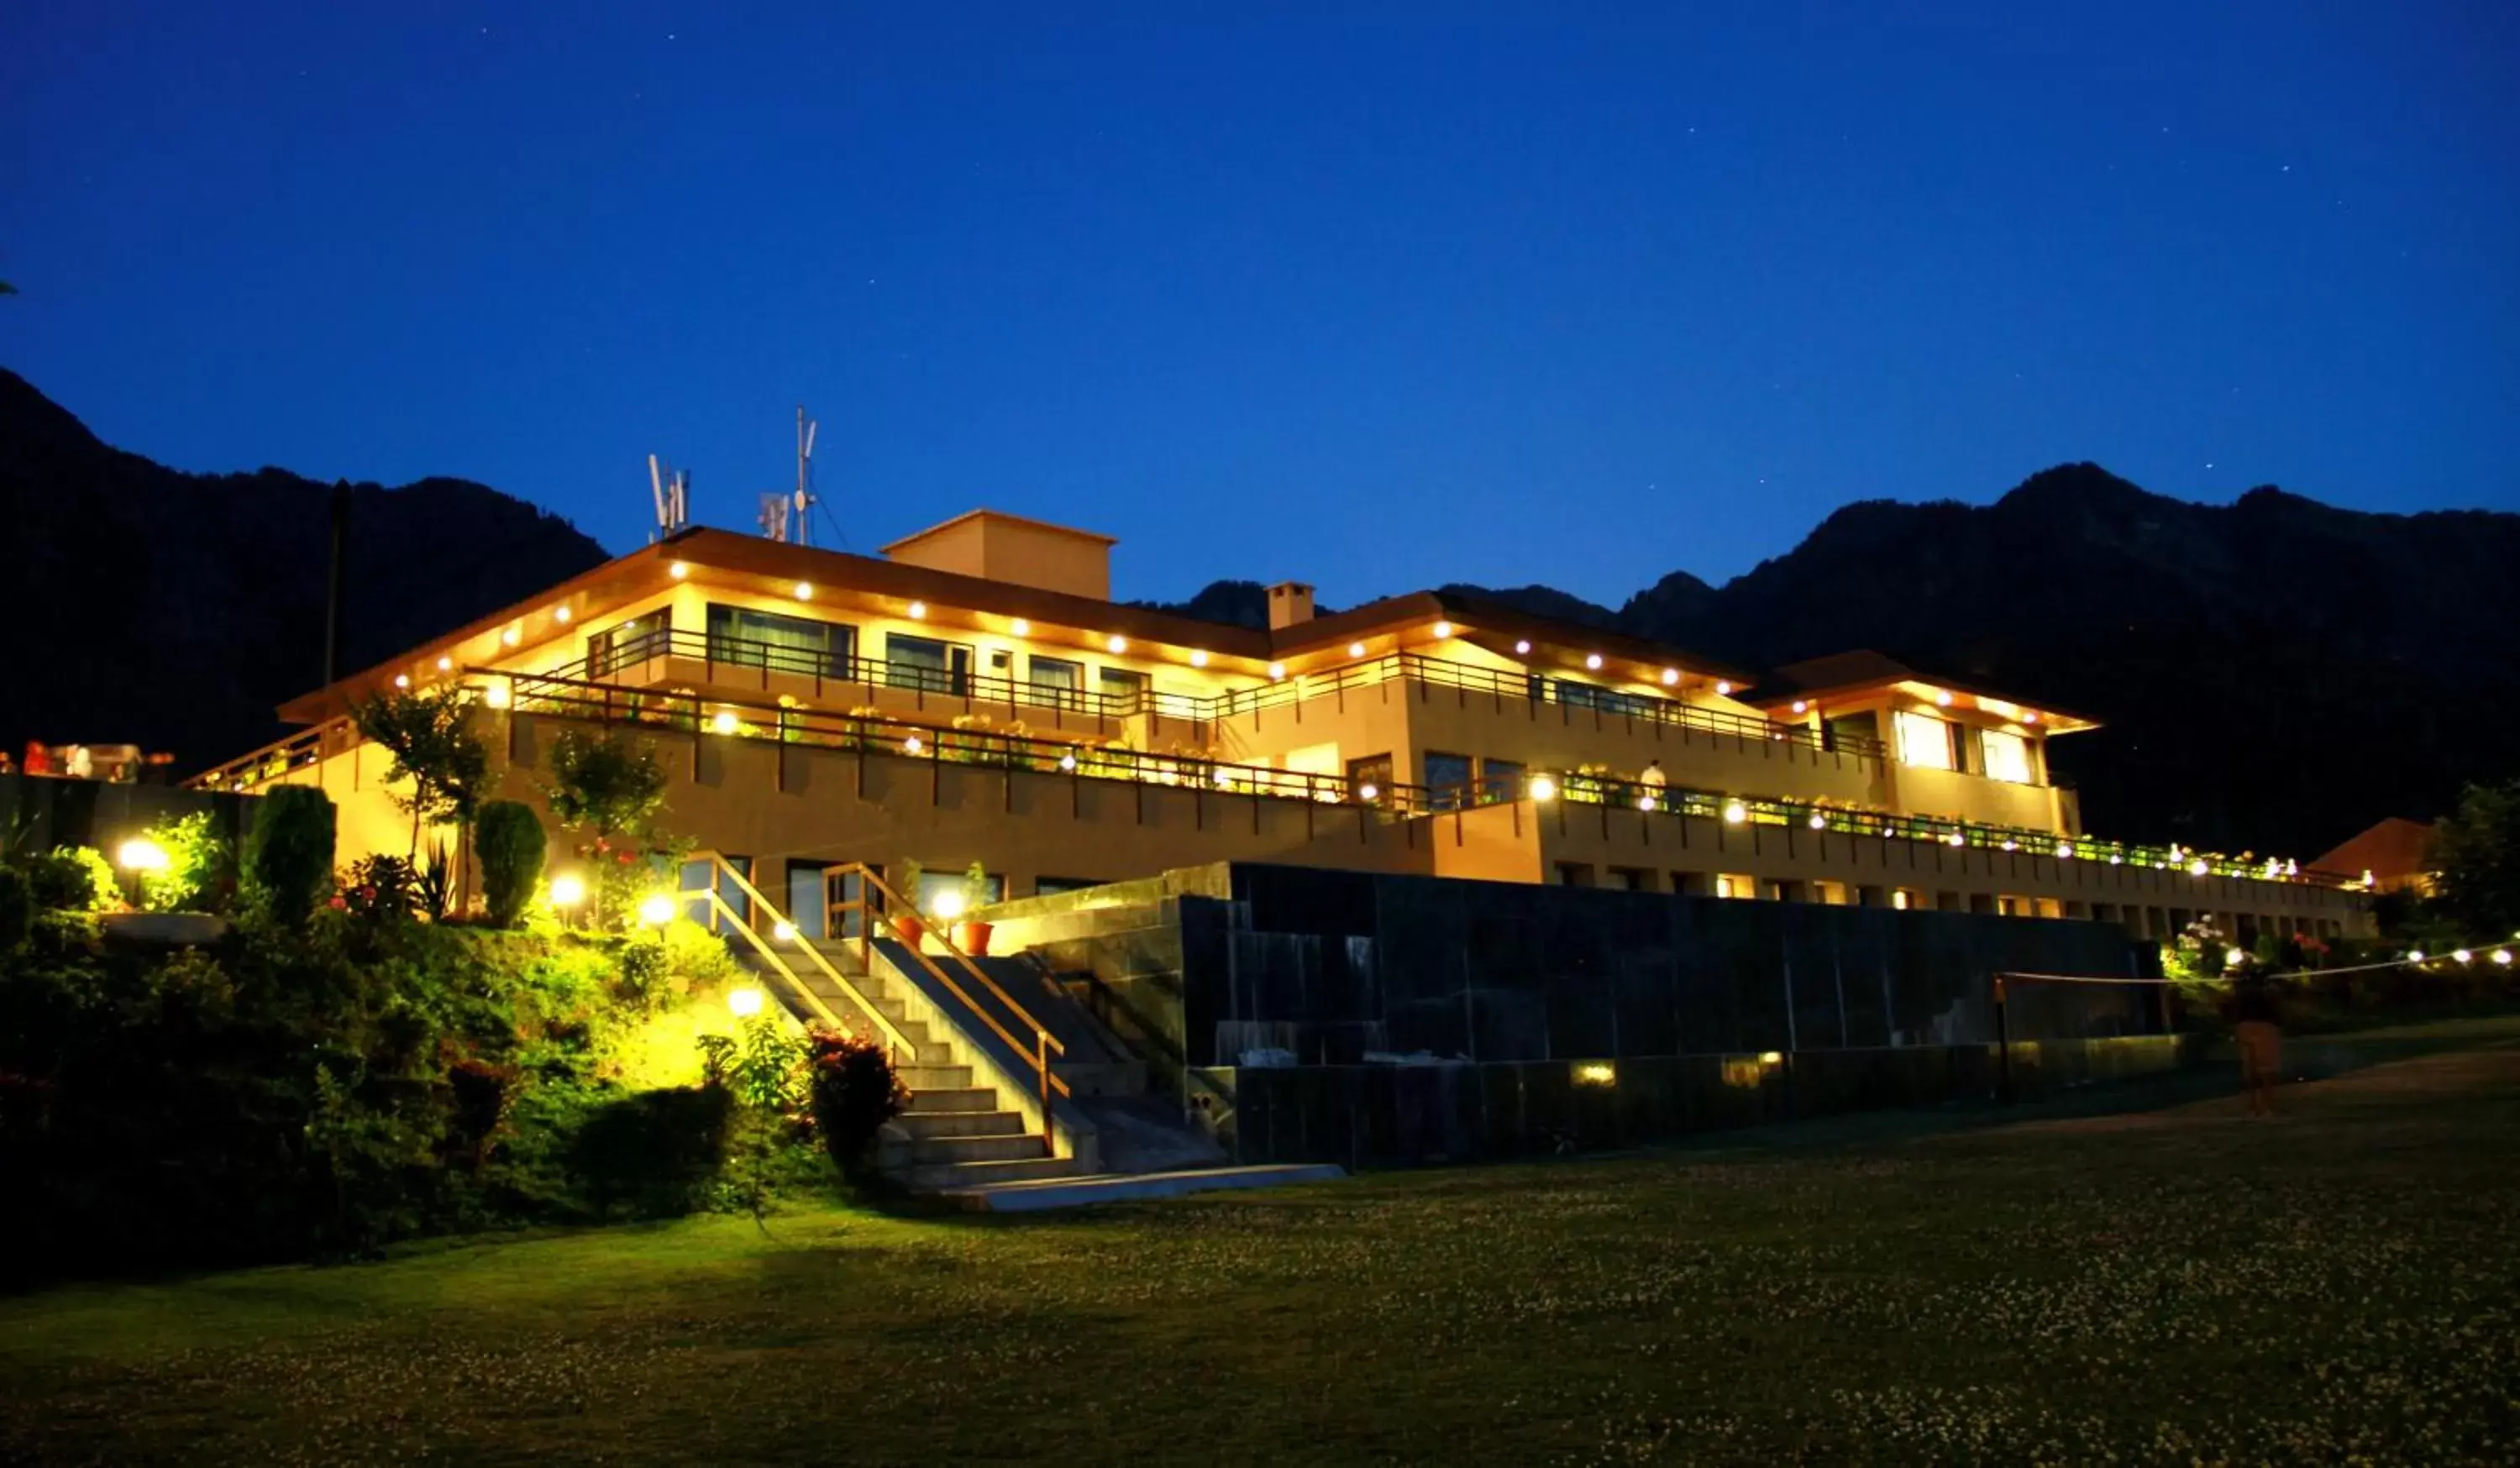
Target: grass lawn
[2168,1283]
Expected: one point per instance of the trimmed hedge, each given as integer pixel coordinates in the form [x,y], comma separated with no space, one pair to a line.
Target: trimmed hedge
[509,839]
[289,853]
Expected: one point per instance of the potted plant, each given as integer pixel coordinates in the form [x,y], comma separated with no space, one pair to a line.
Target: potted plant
[907,924]
[972,935]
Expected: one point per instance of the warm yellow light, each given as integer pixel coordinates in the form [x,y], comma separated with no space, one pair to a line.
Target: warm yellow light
[1020,627]
[561,614]
[1198,657]
[1276,670]
[512,636]
[1597,1073]
[2196,867]
[1735,813]
[1356,650]
[567,890]
[1818,822]
[947,904]
[2502,956]
[1956,839]
[2028,717]
[804,590]
[1523,646]
[918,612]
[402,679]
[1771,1057]
[2116,860]
[1542,788]
[2065,850]
[445,663]
[912,745]
[1644,802]
[498,694]
[1944,700]
[724,723]
[2011,845]
[1442,628]
[140,854]
[783,931]
[2463,956]
[1670,677]
[1068,762]
[679,569]
[2232,958]
[1368,790]
[2414,956]
[745,1001]
[1115,643]
[1722,686]
[657,910]
[1593,660]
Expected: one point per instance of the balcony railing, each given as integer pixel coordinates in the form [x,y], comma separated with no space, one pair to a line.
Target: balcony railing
[696,716]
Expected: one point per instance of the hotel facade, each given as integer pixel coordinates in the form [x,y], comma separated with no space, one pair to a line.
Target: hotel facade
[973,697]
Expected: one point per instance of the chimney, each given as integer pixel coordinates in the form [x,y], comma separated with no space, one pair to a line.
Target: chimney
[1290,602]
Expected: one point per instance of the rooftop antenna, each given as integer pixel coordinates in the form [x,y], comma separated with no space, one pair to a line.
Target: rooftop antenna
[803,517]
[673,491]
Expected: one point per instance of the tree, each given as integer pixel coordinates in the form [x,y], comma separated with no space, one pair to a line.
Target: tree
[429,736]
[289,853]
[605,783]
[2477,852]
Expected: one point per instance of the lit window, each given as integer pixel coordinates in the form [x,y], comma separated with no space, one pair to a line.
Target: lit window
[2008,756]
[1924,741]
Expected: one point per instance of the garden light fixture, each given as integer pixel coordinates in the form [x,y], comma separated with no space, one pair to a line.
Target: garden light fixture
[567,890]
[140,854]
[657,910]
[745,1001]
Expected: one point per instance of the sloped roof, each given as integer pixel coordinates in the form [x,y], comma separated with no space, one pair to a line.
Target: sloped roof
[2395,847]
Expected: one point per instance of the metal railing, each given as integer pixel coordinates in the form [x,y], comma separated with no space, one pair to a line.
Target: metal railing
[762,907]
[722,656]
[887,910]
[273,761]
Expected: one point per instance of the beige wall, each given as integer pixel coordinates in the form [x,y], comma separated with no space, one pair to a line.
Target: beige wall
[1022,553]
[1918,792]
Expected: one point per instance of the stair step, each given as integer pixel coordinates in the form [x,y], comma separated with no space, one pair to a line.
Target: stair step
[921,1124]
[928,1178]
[1003,1146]
[948,1098]
[920,1078]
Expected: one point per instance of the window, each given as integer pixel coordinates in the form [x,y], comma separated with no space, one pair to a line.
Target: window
[2008,756]
[1574,873]
[1902,899]
[1855,734]
[1051,886]
[1925,741]
[1609,700]
[1056,681]
[1830,894]
[1448,780]
[809,898]
[1728,886]
[1499,780]
[749,639]
[935,884]
[926,664]
[634,641]
[1633,878]
[1122,686]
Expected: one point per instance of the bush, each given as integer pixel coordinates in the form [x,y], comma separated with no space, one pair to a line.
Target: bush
[195,876]
[288,853]
[381,889]
[509,839]
[71,880]
[854,1091]
[655,1153]
[16,909]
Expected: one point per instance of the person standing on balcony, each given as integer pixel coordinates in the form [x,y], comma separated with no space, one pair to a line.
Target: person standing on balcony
[1651,778]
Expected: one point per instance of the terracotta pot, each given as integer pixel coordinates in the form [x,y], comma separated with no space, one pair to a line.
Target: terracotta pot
[910,929]
[972,937]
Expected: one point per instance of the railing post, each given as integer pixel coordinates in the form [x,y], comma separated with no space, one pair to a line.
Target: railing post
[1040,1059]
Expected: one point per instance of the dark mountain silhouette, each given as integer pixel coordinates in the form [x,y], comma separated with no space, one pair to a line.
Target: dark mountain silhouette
[174,610]
[2274,675]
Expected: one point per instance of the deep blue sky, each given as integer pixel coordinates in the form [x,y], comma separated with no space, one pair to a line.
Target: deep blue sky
[1379,296]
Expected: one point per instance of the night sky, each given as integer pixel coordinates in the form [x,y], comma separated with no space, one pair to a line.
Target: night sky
[1577,294]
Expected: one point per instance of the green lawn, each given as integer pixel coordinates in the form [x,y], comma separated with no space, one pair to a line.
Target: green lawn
[2170,1283]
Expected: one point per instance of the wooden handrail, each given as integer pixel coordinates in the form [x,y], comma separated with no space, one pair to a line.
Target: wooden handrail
[1044,1044]
[840,980]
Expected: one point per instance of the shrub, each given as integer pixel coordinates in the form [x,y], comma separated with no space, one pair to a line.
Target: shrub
[288,853]
[509,839]
[16,908]
[194,875]
[381,889]
[655,1153]
[71,880]
[854,1091]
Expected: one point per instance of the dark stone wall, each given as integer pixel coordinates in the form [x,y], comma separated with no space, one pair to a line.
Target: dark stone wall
[1398,1115]
[1333,964]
